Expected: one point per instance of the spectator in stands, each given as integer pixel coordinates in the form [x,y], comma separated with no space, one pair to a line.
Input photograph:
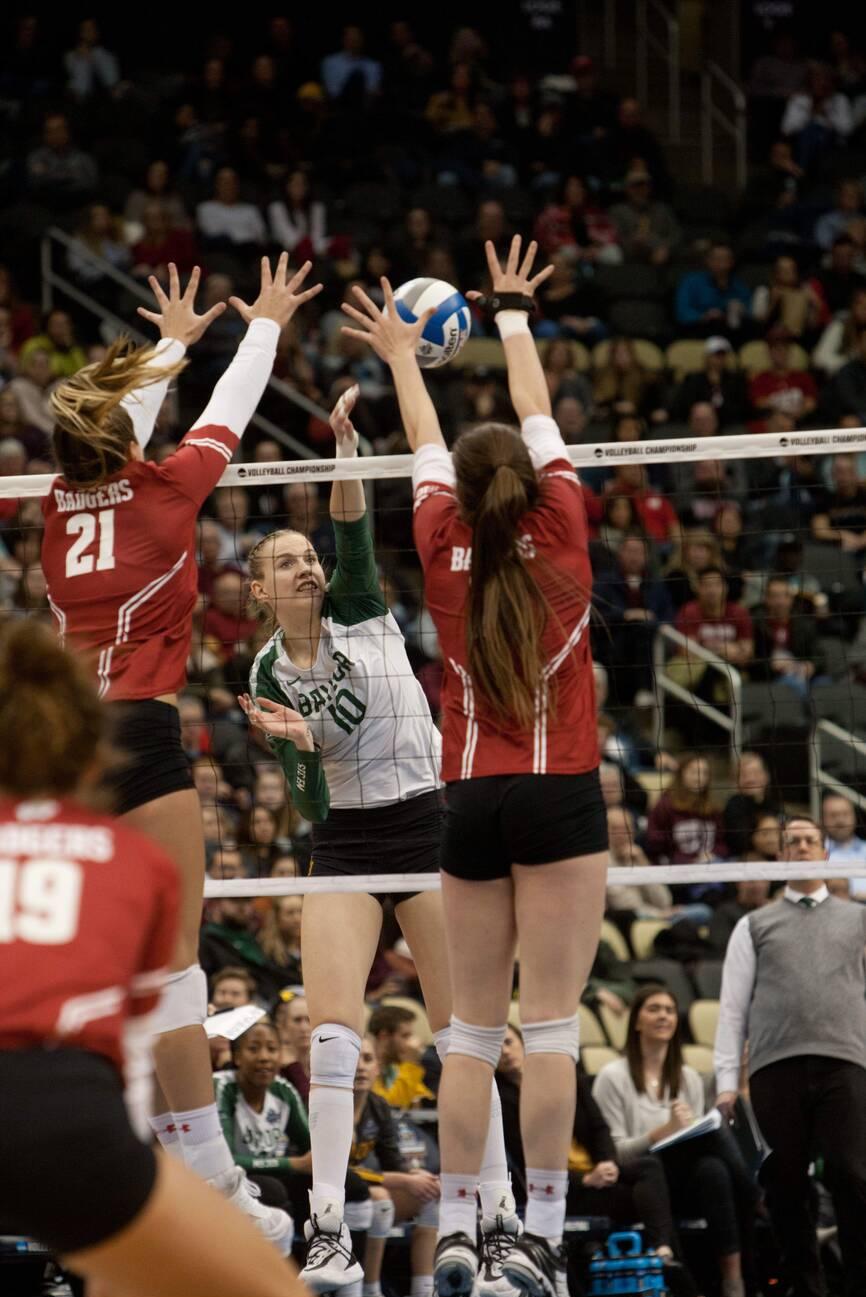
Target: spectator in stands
[398,1052]
[793,986]
[280,937]
[226,619]
[717,623]
[292,1018]
[766,841]
[702,487]
[259,837]
[643,900]
[231,506]
[303,513]
[841,840]
[410,246]
[58,173]
[210,783]
[592,109]
[14,425]
[161,243]
[622,385]
[651,1094]
[781,73]
[228,939]
[788,302]
[348,72]
[718,384]
[713,300]
[685,826]
[600,1181]
[697,549]
[657,515]
[841,519]
[755,797]
[225,220]
[849,206]
[838,281]
[840,341]
[848,388]
[817,119]
[231,988]
[791,391]
[577,226]
[632,605]
[157,187]
[21,316]
[59,340]
[646,228]
[786,643]
[570,304]
[297,222]
[561,372]
[91,69]
[630,144]
[751,894]
[100,234]
[619,517]
[740,553]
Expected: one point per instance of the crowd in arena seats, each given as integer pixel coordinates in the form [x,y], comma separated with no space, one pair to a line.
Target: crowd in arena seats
[674,310]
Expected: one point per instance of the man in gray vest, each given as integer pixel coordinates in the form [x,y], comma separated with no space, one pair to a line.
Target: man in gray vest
[794,986]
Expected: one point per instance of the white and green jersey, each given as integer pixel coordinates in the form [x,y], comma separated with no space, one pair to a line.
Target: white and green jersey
[267,1138]
[375,740]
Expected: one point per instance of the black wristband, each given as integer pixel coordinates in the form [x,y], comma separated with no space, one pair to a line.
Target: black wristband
[496,302]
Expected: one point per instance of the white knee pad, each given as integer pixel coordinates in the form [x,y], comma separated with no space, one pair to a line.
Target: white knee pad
[558,1036]
[441,1040]
[383,1218]
[334,1051]
[428,1216]
[358,1215]
[183,1002]
[484,1043]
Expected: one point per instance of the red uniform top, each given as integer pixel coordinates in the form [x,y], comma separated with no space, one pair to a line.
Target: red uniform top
[714,632]
[88,912]
[475,743]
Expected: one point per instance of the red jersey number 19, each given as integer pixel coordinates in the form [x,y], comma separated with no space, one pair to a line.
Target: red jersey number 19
[84,527]
[40,901]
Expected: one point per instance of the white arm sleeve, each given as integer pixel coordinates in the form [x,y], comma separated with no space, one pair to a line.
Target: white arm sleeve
[738,982]
[543,440]
[144,404]
[432,464]
[240,389]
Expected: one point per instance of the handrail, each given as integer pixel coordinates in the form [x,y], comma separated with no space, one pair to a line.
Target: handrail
[668,50]
[712,114]
[821,778]
[732,724]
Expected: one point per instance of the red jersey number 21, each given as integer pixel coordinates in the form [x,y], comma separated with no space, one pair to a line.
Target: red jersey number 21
[81,558]
[40,901]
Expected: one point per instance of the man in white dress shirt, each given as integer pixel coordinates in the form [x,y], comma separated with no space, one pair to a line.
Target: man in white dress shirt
[794,986]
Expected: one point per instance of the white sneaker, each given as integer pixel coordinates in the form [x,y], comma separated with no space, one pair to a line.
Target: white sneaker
[537,1268]
[331,1263]
[499,1235]
[276,1224]
[455,1266]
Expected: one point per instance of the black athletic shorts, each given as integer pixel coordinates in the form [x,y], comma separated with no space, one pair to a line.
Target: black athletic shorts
[503,820]
[73,1171]
[403,838]
[151,761]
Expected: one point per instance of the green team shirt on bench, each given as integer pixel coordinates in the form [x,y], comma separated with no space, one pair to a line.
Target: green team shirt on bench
[375,741]
[262,1141]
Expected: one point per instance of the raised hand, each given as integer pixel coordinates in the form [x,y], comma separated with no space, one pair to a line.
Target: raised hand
[277,721]
[390,336]
[176,317]
[341,421]
[279,297]
[516,275]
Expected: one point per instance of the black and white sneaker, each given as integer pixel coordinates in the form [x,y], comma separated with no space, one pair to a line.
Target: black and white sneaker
[499,1235]
[330,1263]
[537,1268]
[455,1266]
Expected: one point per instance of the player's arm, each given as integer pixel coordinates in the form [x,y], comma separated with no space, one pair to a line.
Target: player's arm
[290,739]
[394,341]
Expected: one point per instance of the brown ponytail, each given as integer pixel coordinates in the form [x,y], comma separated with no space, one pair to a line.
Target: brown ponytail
[92,431]
[507,613]
[52,723]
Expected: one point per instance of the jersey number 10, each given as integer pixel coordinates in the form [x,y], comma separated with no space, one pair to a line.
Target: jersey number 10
[39,901]
[84,527]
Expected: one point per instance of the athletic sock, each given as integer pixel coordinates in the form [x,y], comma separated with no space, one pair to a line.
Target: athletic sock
[164,1128]
[545,1203]
[457,1210]
[494,1185]
[372,1290]
[332,1125]
[203,1143]
[422,1285]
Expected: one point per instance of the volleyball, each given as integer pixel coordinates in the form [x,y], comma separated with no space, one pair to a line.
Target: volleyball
[446,330]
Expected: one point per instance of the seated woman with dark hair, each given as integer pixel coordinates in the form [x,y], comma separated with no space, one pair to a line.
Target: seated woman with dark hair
[600,1183]
[651,1094]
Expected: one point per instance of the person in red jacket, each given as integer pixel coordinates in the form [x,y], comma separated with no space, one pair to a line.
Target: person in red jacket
[781,388]
[88,917]
[685,825]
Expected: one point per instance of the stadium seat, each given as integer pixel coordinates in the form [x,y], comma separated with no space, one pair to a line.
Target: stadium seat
[832,568]
[708,978]
[842,702]
[643,934]
[614,938]
[755,357]
[595,1057]
[578,352]
[591,1031]
[477,352]
[615,1025]
[685,356]
[622,283]
[703,1021]
[671,974]
[700,1057]
[422,1025]
[648,354]
[636,317]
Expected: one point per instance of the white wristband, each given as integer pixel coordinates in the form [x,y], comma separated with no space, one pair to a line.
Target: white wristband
[348,448]
[511,322]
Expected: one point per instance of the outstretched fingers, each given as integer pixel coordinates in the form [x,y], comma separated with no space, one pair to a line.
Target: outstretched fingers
[173,283]
[356,314]
[299,275]
[540,278]
[526,268]
[492,260]
[192,286]
[243,310]
[308,293]
[158,291]
[149,315]
[209,316]
[513,256]
[267,278]
[368,303]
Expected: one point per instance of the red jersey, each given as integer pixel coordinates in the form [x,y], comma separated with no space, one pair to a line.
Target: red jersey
[475,743]
[88,913]
[710,632]
[121,566]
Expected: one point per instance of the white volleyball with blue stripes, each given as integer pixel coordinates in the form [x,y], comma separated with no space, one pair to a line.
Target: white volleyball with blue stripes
[449,326]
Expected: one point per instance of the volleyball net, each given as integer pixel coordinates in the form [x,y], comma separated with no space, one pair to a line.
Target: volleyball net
[729,619]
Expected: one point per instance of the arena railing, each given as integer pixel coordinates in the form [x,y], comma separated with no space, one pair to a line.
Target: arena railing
[732,724]
[823,779]
[715,79]
[667,48]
